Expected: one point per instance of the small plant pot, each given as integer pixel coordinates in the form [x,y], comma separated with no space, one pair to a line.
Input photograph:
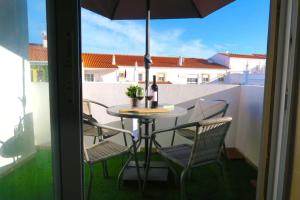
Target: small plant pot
[134,102]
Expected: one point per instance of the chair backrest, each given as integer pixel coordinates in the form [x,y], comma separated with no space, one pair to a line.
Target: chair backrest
[209,140]
[206,109]
[86,107]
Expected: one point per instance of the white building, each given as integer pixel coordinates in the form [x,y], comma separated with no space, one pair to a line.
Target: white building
[128,68]
[243,68]
[220,68]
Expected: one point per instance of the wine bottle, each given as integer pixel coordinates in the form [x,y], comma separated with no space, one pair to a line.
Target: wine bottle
[154,92]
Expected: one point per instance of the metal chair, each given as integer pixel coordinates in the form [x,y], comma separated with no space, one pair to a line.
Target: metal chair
[96,132]
[105,150]
[206,148]
[89,129]
[200,111]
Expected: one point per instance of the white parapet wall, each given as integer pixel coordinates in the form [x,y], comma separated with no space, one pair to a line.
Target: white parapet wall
[245,106]
[183,95]
[250,117]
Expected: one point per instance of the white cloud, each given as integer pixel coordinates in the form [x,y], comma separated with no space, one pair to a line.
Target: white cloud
[102,35]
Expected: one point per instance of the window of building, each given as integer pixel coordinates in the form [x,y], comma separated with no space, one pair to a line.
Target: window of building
[141,77]
[161,77]
[122,75]
[89,77]
[39,73]
[192,79]
[221,77]
[205,78]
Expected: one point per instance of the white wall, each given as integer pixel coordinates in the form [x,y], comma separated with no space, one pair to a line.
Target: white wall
[184,95]
[14,70]
[245,106]
[249,128]
[103,75]
[41,113]
[174,75]
[240,64]
[220,59]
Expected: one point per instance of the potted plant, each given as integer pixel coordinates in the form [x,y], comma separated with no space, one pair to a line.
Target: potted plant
[135,93]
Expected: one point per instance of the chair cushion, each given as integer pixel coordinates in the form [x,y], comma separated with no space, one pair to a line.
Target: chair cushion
[179,154]
[103,151]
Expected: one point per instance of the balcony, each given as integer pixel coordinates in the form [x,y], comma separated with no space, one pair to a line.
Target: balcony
[245,107]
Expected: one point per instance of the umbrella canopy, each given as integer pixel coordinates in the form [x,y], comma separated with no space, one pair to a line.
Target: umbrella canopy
[160,9]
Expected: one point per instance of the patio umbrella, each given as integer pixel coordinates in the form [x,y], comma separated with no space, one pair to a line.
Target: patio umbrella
[160,9]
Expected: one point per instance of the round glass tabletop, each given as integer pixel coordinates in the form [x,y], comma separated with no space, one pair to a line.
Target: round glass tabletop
[115,111]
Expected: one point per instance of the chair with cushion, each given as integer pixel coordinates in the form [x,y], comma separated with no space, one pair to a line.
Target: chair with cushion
[92,131]
[202,109]
[205,149]
[89,129]
[105,150]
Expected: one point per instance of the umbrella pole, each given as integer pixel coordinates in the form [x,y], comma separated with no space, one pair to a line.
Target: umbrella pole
[147,58]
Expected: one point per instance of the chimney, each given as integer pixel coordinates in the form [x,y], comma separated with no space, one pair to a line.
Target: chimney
[180,60]
[44,35]
[113,59]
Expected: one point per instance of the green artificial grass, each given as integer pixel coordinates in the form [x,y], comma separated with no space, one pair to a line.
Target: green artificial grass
[33,181]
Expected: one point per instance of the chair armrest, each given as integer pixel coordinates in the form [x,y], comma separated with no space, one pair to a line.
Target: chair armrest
[211,121]
[112,128]
[99,104]
[176,128]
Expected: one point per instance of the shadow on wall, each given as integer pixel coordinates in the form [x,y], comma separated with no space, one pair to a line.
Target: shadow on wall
[20,145]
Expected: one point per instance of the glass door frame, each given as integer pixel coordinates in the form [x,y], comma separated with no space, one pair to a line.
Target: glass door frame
[280,101]
[64,50]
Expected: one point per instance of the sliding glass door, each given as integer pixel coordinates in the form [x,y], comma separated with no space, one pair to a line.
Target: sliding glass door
[25,134]
[40,120]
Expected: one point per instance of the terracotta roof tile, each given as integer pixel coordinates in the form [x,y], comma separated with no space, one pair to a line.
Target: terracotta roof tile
[37,52]
[93,60]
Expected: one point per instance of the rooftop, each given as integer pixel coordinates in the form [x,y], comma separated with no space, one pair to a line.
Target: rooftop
[37,52]
[94,60]
[251,56]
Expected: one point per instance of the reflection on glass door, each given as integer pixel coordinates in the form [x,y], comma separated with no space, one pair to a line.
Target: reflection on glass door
[25,137]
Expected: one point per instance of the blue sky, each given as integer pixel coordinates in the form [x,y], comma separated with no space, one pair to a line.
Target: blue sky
[240,27]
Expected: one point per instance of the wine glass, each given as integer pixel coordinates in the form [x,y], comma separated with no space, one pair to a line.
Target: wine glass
[139,94]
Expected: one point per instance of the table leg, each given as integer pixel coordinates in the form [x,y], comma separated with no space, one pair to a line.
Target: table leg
[146,141]
[158,170]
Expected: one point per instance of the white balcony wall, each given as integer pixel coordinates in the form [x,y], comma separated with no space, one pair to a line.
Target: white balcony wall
[245,106]
[184,95]
[250,116]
